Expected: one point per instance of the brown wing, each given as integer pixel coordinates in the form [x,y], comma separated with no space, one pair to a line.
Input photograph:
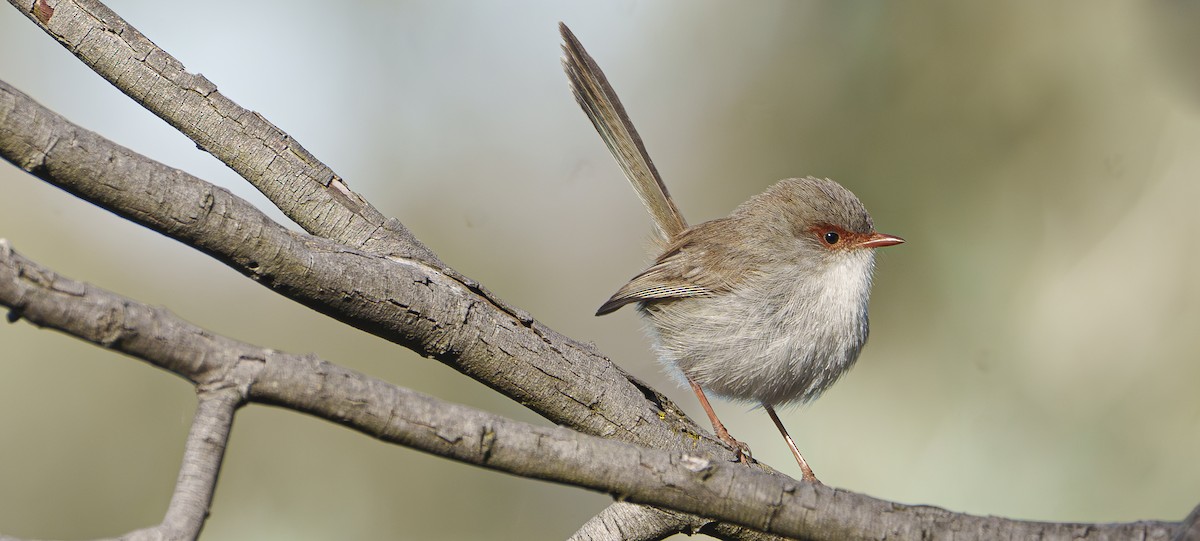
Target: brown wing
[690,267]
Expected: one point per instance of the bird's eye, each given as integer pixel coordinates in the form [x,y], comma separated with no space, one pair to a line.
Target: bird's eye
[831,237]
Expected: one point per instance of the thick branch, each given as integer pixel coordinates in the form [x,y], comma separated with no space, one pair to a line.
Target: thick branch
[372,406]
[723,490]
[303,187]
[400,300]
[147,332]
[426,309]
[475,333]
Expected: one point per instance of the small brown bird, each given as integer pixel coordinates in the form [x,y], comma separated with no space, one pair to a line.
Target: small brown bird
[768,304]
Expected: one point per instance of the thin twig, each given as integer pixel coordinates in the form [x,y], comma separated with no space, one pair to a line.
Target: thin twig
[202,458]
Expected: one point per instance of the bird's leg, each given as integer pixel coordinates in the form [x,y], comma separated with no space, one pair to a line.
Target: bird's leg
[740,449]
[804,469]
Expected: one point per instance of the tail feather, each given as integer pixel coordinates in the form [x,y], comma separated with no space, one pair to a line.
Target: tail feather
[600,102]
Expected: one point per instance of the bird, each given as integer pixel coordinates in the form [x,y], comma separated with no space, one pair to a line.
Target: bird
[767,305]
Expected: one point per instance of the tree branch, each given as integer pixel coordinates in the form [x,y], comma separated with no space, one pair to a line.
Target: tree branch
[220,366]
[630,522]
[623,521]
[201,463]
[440,316]
[226,371]
[378,278]
[203,452]
[303,187]
[1189,528]
[245,141]
[400,300]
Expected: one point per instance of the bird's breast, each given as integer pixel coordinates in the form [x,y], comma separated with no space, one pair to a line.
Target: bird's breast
[780,337]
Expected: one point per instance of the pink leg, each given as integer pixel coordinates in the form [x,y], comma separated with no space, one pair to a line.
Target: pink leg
[740,449]
[804,469]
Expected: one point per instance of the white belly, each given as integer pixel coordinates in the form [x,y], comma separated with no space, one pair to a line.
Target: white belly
[769,342]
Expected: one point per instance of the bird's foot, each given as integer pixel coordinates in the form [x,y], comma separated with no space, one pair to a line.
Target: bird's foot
[740,449]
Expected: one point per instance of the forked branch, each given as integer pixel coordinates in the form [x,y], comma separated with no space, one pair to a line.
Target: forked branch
[368,271]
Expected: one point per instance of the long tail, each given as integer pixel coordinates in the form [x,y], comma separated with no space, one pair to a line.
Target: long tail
[600,102]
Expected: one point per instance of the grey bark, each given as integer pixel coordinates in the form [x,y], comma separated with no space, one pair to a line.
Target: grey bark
[369,271]
[227,373]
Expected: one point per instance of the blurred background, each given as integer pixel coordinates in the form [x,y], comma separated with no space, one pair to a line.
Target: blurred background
[1034,346]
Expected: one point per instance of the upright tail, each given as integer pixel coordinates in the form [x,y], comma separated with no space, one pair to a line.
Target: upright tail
[600,102]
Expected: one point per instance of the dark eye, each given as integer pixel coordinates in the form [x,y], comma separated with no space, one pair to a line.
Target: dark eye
[831,237]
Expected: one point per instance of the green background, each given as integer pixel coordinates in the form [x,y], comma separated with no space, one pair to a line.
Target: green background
[1034,345]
